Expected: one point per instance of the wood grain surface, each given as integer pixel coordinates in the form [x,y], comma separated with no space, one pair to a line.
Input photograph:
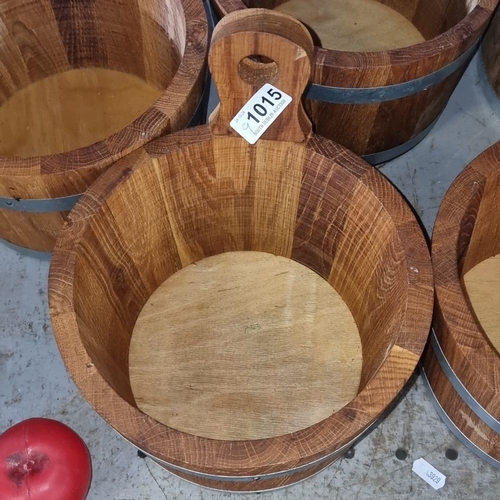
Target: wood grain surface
[462,415]
[466,236]
[354,25]
[482,284]
[259,483]
[46,44]
[311,201]
[213,195]
[72,110]
[490,49]
[449,27]
[285,352]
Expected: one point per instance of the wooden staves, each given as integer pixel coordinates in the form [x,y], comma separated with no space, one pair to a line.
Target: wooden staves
[382,101]
[463,364]
[82,84]
[490,50]
[193,208]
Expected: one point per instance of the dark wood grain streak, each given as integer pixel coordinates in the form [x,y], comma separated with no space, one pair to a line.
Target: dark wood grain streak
[491,52]
[84,42]
[480,434]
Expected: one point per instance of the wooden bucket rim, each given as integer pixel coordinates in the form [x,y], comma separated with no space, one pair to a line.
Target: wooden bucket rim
[433,48]
[405,56]
[242,458]
[169,105]
[482,358]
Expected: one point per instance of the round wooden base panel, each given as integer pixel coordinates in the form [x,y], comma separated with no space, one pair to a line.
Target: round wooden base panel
[482,283]
[71,110]
[244,345]
[354,25]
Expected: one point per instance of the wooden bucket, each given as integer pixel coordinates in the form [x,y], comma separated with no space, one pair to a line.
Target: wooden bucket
[490,51]
[370,92]
[463,365]
[197,320]
[83,84]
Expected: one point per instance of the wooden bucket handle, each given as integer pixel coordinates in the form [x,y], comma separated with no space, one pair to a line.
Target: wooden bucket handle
[282,51]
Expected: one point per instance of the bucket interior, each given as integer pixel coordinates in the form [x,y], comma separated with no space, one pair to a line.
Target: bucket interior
[479,256]
[372,25]
[74,73]
[205,202]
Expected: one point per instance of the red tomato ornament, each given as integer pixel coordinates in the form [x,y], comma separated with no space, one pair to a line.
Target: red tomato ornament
[43,459]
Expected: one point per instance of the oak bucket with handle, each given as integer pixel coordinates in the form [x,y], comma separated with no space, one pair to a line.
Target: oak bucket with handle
[246,321]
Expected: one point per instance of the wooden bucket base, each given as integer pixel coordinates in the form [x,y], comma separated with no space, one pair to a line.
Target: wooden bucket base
[354,25]
[71,110]
[244,345]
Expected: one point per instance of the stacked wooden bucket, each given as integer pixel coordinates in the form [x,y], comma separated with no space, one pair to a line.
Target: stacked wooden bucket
[205,291]
[462,362]
[491,53]
[83,84]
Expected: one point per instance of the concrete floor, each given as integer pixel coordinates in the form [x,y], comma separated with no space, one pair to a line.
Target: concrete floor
[34,382]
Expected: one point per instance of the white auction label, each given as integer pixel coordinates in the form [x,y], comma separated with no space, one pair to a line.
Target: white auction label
[428,473]
[258,114]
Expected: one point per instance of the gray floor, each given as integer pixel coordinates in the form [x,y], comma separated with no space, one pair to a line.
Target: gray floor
[33,380]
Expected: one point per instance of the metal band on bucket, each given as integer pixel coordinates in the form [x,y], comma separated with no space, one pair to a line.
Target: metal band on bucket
[272,475]
[454,429]
[28,252]
[249,479]
[257,491]
[462,391]
[390,154]
[371,95]
[64,204]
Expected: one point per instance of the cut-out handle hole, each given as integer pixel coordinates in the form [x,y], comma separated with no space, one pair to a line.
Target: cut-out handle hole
[258,70]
